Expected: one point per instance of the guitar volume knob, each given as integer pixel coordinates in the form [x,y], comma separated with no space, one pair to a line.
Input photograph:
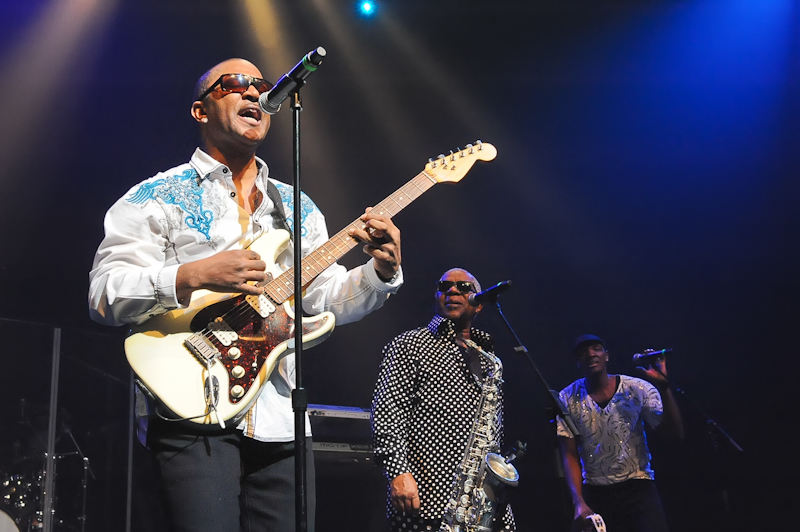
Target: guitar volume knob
[237,391]
[237,372]
[234,353]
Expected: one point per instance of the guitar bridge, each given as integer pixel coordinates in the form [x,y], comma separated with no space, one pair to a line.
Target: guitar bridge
[201,348]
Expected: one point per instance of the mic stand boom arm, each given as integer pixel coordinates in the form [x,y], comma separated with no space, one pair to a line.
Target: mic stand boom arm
[556,404]
[709,421]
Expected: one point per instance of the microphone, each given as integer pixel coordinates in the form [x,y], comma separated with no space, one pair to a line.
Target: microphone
[490,294]
[647,358]
[270,102]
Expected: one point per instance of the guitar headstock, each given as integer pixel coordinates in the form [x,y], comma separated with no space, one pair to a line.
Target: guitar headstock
[451,168]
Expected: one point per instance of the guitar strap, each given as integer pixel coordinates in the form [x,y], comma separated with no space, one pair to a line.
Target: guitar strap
[279,214]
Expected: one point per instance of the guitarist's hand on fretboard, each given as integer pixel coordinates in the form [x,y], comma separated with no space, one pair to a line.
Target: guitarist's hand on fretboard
[226,271]
[382,239]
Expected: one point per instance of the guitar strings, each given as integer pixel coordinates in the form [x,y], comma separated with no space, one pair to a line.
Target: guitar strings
[243,312]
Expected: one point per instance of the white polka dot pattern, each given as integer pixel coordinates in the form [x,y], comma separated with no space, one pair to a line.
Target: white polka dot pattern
[422,412]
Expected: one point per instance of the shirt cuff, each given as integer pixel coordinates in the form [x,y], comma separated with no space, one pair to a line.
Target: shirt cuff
[372,277]
[165,287]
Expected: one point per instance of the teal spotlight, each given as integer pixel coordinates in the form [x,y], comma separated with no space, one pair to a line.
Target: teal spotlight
[367,8]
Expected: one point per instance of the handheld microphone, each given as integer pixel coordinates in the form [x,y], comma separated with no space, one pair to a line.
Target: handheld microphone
[270,102]
[490,294]
[647,358]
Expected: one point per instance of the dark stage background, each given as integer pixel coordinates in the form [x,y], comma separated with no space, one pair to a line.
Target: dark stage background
[645,190]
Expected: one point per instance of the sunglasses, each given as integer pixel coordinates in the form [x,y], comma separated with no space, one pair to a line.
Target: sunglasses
[237,83]
[463,287]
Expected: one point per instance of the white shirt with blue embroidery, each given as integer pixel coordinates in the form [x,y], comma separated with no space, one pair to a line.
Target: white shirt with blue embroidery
[189,213]
[612,442]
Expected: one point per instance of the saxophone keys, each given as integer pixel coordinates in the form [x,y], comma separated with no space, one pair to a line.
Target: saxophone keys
[472,516]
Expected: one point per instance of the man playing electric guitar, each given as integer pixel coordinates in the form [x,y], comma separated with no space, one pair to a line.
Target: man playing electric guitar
[190,228]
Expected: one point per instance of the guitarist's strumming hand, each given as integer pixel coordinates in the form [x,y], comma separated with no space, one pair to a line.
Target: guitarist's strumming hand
[382,239]
[226,271]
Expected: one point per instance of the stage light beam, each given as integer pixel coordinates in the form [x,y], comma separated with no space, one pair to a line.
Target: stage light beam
[367,8]
[57,47]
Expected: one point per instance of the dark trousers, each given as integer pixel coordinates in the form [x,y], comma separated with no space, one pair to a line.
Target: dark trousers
[221,481]
[630,506]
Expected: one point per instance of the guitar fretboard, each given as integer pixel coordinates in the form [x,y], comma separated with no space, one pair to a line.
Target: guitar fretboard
[282,287]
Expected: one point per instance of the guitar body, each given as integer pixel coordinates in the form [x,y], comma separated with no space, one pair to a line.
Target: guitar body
[207,363]
[177,378]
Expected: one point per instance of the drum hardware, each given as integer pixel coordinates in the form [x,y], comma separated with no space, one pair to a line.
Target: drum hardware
[21,494]
[22,487]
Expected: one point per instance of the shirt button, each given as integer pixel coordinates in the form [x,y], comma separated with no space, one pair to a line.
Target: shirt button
[224,170]
[233,194]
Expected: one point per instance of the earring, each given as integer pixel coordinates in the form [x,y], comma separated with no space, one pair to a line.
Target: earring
[204,120]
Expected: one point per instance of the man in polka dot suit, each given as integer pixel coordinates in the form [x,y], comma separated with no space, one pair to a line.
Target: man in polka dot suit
[424,405]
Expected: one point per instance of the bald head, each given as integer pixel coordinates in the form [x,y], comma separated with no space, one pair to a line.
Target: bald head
[465,273]
[231,122]
[229,66]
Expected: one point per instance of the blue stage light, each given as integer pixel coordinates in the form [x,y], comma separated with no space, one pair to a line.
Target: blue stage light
[367,8]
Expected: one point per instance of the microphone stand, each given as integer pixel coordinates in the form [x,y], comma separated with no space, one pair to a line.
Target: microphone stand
[87,470]
[712,425]
[299,394]
[709,421]
[555,403]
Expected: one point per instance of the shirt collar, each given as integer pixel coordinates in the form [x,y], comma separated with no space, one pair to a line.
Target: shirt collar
[207,165]
[442,328]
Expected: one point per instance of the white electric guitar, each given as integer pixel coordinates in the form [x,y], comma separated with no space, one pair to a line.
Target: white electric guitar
[208,362]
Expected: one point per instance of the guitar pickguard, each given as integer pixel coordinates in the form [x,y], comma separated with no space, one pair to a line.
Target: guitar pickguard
[256,339]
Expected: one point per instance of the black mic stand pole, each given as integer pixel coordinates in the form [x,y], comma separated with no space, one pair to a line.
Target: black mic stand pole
[299,395]
[87,470]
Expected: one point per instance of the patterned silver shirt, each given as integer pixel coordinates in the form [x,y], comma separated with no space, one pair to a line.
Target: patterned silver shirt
[612,442]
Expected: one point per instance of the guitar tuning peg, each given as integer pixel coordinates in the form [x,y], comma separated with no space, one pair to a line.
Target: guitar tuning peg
[452,156]
[480,144]
[432,162]
[469,148]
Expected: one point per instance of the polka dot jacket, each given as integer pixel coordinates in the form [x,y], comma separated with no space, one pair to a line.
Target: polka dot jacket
[423,408]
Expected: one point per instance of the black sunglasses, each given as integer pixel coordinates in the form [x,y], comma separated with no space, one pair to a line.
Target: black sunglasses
[463,287]
[237,83]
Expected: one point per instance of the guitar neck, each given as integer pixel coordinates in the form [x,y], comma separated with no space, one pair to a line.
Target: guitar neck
[282,288]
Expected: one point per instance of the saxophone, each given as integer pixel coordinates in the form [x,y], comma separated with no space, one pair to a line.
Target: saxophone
[482,480]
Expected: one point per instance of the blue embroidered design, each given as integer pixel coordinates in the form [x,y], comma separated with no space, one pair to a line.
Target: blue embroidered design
[306,206]
[182,190]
